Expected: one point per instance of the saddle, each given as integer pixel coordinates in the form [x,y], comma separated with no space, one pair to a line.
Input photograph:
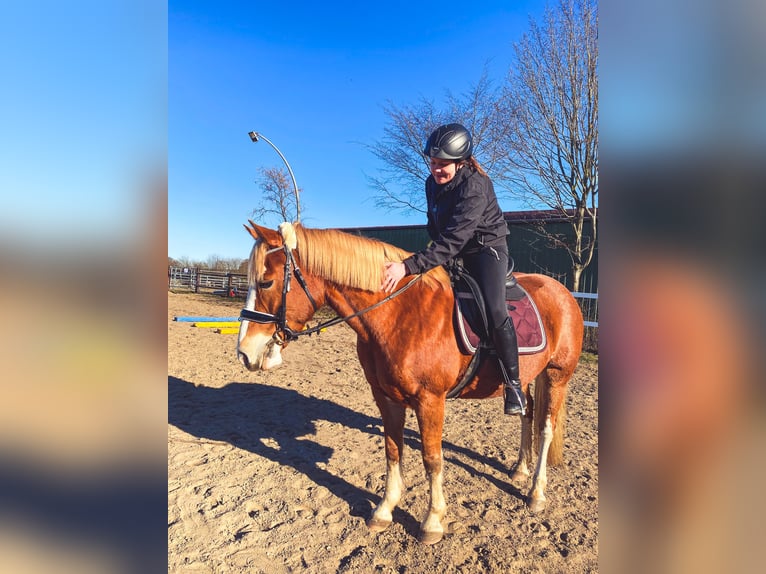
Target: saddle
[471,325]
[470,317]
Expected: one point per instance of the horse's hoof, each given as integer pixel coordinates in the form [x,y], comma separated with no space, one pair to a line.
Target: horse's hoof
[429,538]
[377,525]
[536,505]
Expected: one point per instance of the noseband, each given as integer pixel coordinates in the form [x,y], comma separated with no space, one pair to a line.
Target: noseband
[284,333]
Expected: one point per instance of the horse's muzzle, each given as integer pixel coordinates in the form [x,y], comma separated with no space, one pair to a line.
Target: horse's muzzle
[246,362]
[264,357]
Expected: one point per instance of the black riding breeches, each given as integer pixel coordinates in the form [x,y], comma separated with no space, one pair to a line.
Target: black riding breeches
[489,268]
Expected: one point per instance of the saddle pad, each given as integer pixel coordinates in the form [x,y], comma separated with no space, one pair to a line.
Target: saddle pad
[530,333]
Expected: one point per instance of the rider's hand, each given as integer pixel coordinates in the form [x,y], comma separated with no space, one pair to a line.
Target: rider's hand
[392,274]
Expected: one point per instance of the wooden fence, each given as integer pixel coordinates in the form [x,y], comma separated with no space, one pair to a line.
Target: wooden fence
[207,281]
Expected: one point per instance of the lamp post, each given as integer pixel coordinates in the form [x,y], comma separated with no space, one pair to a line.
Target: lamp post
[255,136]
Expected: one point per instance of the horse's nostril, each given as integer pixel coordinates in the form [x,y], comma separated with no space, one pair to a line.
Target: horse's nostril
[244,360]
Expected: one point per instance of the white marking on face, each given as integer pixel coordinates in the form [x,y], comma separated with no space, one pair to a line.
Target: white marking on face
[250,306]
[259,349]
[256,350]
[272,357]
[261,352]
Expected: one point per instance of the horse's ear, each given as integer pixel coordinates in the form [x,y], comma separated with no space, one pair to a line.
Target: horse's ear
[268,236]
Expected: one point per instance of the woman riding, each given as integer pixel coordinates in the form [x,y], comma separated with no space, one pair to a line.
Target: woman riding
[465,220]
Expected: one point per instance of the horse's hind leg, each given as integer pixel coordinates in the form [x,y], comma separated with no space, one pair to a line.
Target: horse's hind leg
[550,394]
[393,431]
[537,494]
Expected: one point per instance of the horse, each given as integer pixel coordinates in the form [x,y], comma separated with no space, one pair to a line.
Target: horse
[407,348]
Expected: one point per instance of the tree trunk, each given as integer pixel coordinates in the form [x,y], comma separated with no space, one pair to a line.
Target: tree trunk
[576,276]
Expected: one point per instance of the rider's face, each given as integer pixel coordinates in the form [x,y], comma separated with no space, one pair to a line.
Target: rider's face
[443,170]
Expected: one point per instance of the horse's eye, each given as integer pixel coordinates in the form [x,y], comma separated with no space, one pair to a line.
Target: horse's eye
[265,284]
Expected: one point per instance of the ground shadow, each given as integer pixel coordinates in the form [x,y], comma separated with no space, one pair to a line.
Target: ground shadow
[255,416]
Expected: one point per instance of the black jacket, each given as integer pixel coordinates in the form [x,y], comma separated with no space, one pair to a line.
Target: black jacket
[463,214]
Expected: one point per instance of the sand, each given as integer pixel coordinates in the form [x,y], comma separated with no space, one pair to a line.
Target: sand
[277,471]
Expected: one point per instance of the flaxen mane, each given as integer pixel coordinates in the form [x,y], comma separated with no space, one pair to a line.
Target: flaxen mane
[342,258]
[351,260]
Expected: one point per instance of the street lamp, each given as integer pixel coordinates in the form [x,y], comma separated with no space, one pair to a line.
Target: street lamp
[255,136]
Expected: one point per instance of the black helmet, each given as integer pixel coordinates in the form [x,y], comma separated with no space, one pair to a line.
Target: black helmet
[452,141]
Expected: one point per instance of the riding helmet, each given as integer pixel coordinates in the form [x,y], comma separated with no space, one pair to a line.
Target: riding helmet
[451,141]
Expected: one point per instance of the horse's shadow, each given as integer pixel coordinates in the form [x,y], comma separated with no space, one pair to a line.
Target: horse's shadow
[253,417]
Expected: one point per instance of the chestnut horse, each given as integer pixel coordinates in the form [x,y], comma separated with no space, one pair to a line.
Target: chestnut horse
[407,347]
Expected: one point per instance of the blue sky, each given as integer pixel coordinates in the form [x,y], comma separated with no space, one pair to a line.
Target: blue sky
[313,78]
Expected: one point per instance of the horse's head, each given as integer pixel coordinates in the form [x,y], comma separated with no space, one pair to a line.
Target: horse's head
[272,309]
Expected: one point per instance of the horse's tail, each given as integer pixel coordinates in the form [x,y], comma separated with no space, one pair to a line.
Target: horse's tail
[541,407]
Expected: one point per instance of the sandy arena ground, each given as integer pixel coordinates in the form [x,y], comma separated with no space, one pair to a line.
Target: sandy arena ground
[277,472]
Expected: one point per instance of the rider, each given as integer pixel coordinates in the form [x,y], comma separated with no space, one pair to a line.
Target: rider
[465,220]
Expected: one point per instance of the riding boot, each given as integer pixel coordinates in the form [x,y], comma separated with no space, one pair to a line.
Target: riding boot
[508,353]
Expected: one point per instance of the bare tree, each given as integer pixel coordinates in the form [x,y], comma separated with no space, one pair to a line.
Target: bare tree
[401,183]
[278,198]
[552,96]
[227,264]
[537,137]
[185,261]
[214,263]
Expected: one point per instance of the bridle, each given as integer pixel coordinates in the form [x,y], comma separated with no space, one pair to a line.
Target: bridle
[284,333]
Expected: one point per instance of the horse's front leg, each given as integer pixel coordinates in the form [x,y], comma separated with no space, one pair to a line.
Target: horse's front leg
[430,414]
[393,432]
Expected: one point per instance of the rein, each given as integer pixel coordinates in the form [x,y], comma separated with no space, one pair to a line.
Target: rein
[284,333]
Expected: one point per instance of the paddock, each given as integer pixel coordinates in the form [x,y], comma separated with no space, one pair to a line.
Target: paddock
[277,471]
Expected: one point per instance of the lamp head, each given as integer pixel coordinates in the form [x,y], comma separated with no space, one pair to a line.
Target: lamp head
[253,136]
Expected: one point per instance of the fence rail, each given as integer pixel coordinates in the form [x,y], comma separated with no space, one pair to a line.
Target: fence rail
[201,280]
[589,308]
